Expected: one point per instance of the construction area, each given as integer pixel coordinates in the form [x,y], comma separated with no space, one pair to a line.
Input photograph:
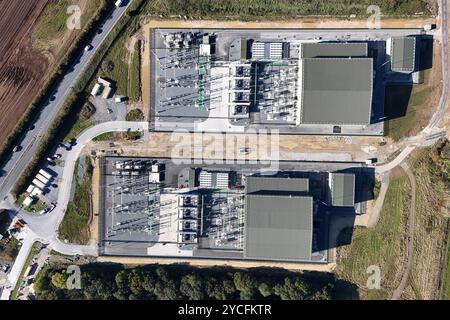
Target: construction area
[160,207]
[298,81]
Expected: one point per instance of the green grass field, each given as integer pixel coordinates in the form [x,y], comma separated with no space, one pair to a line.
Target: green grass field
[277,9]
[104,136]
[397,96]
[52,24]
[117,54]
[74,226]
[126,76]
[446,276]
[432,172]
[380,246]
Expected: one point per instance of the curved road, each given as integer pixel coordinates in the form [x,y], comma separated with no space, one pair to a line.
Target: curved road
[19,160]
[437,116]
[45,228]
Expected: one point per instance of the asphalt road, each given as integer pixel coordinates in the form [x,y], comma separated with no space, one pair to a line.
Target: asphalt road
[19,160]
[45,228]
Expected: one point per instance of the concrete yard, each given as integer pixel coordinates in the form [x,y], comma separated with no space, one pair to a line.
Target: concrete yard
[183,98]
[138,217]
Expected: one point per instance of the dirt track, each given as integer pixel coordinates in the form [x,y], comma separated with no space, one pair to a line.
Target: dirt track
[21,67]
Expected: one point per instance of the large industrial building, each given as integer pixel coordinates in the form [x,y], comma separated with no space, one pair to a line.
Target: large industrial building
[153,207]
[217,80]
[336,84]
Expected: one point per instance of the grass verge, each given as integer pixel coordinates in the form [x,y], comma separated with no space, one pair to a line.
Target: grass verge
[79,126]
[408,108]
[134,89]
[123,69]
[104,136]
[74,227]
[381,246]
[412,98]
[35,248]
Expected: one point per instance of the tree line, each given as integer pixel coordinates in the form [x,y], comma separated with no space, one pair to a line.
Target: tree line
[110,282]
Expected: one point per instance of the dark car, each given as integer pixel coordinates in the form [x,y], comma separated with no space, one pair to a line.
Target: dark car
[65,146]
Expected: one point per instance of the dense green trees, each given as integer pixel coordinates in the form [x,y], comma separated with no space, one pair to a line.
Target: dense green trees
[181,282]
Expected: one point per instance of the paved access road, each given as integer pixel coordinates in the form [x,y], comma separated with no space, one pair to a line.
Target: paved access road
[422,137]
[45,228]
[19,160]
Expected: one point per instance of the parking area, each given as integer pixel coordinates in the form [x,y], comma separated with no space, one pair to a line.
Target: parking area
[108,110]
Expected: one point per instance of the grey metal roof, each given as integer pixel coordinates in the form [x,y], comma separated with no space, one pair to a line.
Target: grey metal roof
[403,54]
[342,189]
[336,90]
[238,49]
[275,185]
[278,227]
[330,49]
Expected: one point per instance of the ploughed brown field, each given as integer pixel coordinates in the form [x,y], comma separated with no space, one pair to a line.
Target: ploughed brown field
[22,68]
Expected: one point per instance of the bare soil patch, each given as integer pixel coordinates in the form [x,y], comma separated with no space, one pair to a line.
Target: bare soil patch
[21,66]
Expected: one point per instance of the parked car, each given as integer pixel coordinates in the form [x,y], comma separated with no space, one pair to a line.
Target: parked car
[88,47]
[244,150]
[17,148]
[66,146]
[43,211]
